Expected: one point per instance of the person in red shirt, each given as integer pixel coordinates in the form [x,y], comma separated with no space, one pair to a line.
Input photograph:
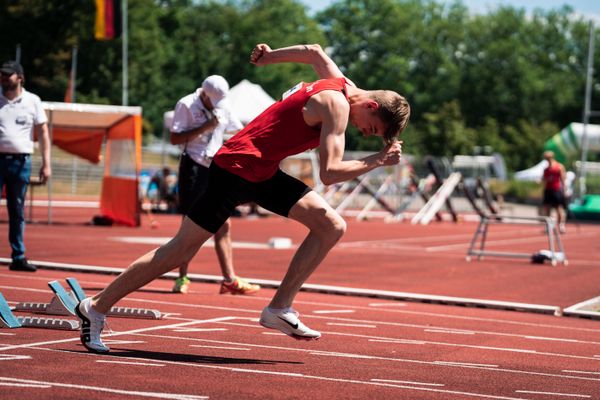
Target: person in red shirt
[554,189]
[246,169]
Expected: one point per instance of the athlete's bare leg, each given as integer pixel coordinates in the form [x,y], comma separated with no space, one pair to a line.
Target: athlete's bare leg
[150,266]
[326,228]
[224,252]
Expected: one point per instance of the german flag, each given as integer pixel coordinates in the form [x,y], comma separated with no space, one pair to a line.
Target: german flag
[108,19]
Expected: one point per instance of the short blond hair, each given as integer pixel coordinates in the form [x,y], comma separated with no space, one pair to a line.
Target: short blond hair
[548,155]
[393,110]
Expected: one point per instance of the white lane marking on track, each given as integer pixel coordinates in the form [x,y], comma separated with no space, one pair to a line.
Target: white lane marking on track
[220,347]
[11,357]
[25,385]
[333,311]
[352,325]
[550,339]
[274,333]
[158,395]
[398,341]
[465,364]
[143,364]
[109,341]
[554,394]
[408,382]
[387,304]
[581,372]
[456,332]
[154,328]
[200,330]
[7,334]
[593,379]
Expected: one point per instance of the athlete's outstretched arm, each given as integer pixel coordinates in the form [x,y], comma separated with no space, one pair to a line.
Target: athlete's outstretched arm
[311,54]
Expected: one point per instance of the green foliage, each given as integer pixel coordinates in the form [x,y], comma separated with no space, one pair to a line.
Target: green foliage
[505,79]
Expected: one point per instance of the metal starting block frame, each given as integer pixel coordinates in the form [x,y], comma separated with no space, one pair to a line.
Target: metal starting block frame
[64,303]
[8,320]
[556,251]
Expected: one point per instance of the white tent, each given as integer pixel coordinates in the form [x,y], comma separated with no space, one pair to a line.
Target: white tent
[248,100]
[534,173]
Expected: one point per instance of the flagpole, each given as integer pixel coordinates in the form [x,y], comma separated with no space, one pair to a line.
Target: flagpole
[586,113]
[73,73]
[125,99]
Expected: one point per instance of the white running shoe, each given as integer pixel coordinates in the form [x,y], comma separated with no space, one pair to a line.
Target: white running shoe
[92,323]
[287,321]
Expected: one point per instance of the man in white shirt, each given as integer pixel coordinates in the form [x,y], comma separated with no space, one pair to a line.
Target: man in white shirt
[21,113]
[200,120]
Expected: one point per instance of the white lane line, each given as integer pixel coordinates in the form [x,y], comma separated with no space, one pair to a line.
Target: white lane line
[397,341]
[7,334]
[130,363]
[25,385]
[157,395]
[333,311]
[132,332]
[274,333]
[401,360]
[220,347]
[456,332]
[387,304]
[11,357]
[585,396]
[109,341]
[551,339]
[581,372]
[199,330]
[352,325]
[465,364]
[407,382]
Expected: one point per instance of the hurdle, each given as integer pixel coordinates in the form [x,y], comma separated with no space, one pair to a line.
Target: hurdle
[8,320]
[435,203]
[64,303]
[556,252]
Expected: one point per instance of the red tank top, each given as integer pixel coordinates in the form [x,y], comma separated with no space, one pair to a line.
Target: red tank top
[552,177]
[255,152]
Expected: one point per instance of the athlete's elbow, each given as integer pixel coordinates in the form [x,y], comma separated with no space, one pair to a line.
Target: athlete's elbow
[328,177]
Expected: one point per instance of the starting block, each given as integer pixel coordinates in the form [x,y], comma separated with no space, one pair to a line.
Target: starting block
[64,303]
[8,320]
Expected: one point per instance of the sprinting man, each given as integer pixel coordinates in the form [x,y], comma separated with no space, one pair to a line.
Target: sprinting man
[246,169]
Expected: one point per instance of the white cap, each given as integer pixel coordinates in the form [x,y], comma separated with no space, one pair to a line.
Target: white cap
[216,88]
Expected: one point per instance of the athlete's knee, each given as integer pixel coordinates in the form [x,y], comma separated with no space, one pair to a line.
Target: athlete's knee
[332,227]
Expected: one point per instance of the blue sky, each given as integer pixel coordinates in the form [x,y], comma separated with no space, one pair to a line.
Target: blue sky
[586,8]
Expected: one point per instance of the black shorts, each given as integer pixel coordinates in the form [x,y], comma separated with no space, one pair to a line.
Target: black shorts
[554,198]
[191,183]
[226,191]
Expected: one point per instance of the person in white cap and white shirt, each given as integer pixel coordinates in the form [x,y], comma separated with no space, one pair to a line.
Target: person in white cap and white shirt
[200,120]
[21,113]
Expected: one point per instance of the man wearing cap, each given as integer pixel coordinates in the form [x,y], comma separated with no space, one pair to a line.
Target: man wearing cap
[200,120]
[20,113]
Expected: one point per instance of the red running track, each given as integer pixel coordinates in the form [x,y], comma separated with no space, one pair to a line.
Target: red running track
[210,346]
